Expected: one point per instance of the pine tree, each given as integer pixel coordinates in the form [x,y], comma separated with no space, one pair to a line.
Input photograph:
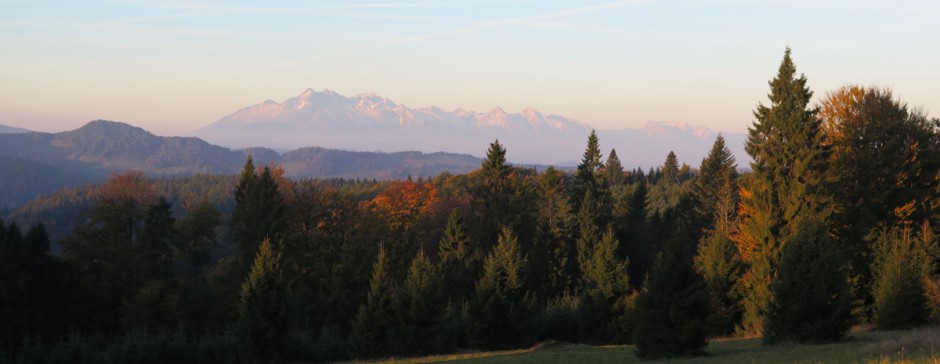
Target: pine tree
[259,211]
[899,297]
[672,308]
[786,144]
[671,169]
[716,198]
[492,203]
[613,170]
[552,261]
[810,301]
[606,287]
[262,310]
[640,250]
[422,309]
[373,331]
[589,232]
[153,251]
[498,313]
[719,263]
[717,169]
[589,180]
[457,260]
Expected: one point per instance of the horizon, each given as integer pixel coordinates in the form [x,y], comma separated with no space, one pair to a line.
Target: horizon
[173,67]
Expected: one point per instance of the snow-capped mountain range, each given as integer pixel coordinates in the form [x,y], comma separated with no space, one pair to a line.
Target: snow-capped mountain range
[368,122]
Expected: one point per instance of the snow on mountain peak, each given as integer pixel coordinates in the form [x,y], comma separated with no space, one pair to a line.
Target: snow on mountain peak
[660,127]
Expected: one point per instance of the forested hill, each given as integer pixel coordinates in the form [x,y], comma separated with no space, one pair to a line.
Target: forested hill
[40,163]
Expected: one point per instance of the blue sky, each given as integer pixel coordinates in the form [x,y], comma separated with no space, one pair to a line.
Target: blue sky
[174,66]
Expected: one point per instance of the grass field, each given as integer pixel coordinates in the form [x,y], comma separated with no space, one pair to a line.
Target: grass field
[912,346]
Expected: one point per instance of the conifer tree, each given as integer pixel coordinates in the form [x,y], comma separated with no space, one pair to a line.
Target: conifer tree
[672,307]
[716,198]
[553,262]
[898,292]
[640,250]
[719,263]
[606,287]
[613,170]
[498,313]
[262,309]
[786,144]
[492,202]
[717,170]
[810,301]
[259,211]
[458,260]
[589,232]
[589,180]
[671,169]
[374,329]
[422,309]
[153,251]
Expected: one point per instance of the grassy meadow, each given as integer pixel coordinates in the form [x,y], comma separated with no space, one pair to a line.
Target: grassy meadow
[911,346]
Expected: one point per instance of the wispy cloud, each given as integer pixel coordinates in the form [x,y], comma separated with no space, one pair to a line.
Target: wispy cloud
[521,20]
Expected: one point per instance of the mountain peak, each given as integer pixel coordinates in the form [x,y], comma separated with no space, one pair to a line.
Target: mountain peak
[5,129]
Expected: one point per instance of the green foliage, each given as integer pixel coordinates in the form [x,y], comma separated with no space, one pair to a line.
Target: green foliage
[606,286]
[898,291]
[671,310]
[422,309]
[716,198]
[262,312]
[499,312]
[259,211]
[374,329]
[786,144]
[811,299]
[670,169]
[715,184]
[458,260]
[498,199]
[884,155]
[613,170]
[552,259]
[30,279]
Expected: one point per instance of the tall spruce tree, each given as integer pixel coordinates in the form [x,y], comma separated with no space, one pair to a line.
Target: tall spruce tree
[553,262]
[422,309]
[718,169]
[716,198]
[719,262]
[457,260]
[671,169]
[259,211]
[786,144]
[613,170]
[899,300]
[606,287]
[374,329]
[492,197]
[810,301]
[671,309]
[262,309]
[637,246]
[498,313]
[589,180]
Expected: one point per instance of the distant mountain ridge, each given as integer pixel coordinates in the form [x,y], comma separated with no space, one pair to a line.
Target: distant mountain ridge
[99,148]
[6,129]
[371,122]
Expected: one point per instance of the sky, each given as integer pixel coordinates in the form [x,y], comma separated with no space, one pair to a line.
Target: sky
[174,66]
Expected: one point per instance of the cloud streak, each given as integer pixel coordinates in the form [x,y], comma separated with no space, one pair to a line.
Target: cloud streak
[476,27]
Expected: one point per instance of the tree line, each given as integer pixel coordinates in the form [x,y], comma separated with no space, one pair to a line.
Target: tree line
[832,226]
